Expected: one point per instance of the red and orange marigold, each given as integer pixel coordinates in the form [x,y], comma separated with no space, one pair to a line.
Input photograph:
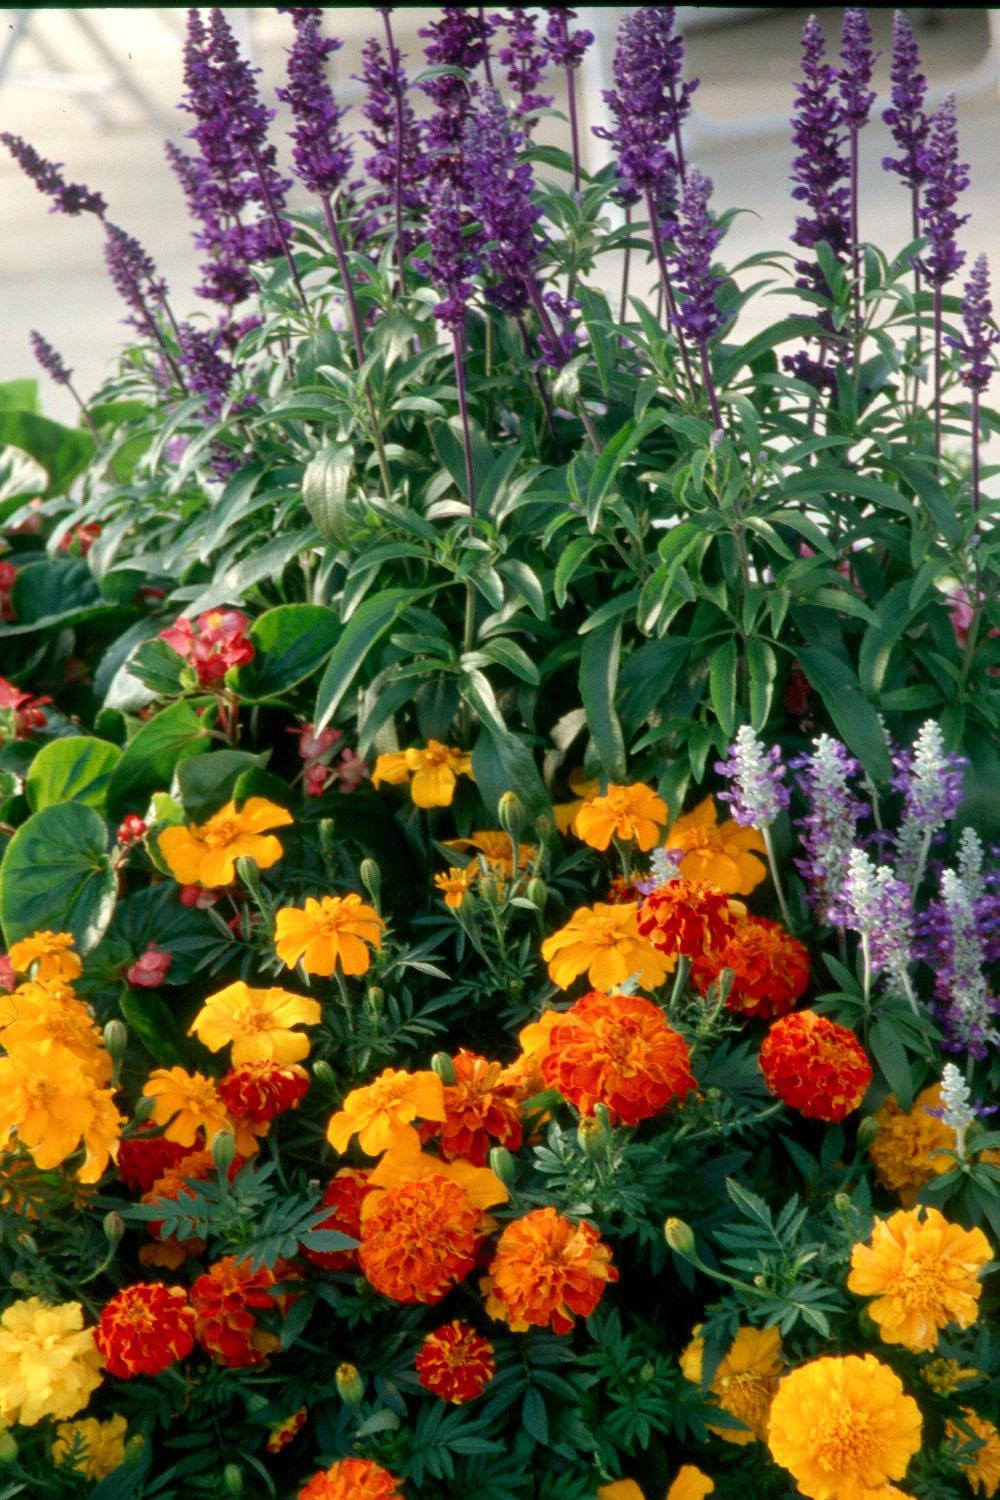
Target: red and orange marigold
[225,1299]
[260,1091]
[145,1156]
[455,1363]
[815,1066]
[480,1112]
[546,1272]
[689,917]
[352,1479]
[144,1328]
[770,969]
[280,1434]
[345,1194]
[419,1239]
[617,1050]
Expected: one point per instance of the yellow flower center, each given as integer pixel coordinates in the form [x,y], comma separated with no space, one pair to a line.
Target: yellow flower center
[218,835]
[845,1443]
[746,1396]
[435,754]
[255,1021]
[919,1285]
[384,1093]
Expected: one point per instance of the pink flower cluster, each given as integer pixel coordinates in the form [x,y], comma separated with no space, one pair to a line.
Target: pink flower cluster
[211,644]
[8,573]
[28,711]
[317,751]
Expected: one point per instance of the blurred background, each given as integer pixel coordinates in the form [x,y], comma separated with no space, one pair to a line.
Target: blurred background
[97,90]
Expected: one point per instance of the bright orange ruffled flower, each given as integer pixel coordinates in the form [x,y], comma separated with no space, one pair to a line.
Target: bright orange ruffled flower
[624,813]
[843,1427]
[982,1471]
[686,916]
[50,1012]
[54,1108]
[206,853]
[49,1363]
[722,854]
[909,1147]
[744,1382]
[546,1272]
[260,1091]
[345,1194]
[224,1299]
[186,1103]
[419,1239]
[479,1112]
[258,1023]
[815,1066]
[144,1328]
[435,772]
[924,1274]
[770,968]
[382,1111]
[605,943]
[455,1363]
[352,1479]
[334,929]
[51,953]
[617,1050]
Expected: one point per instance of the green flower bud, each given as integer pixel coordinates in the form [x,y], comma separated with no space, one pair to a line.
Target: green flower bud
[511,814]
[376,998]
[444,1068]
[371,879]
[8,1448]
[350,1385]
[647,1373]
[502,1165]
[842,1203]
[223,1151]
[679,1236]
[114,1228]
[232,1479]
[538,892]
[144,1107]
[867,1131]
[592,1136]
[116,1039]
[324,1074]
[544,826]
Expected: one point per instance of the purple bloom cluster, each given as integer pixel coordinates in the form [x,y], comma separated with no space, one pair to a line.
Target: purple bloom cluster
[957,938]
[857,60]
[820,170]
[385,107]
[929,779]
[67,197]
[944,178]
[878,906]
[829,829]
[906,118]
[566,48]
[758,793]
[695,237]
[526,59]
[981,336]
[321,155]
[458,40]
[208,374]
[50,359]
[452,259]
[499,192]
[133,275]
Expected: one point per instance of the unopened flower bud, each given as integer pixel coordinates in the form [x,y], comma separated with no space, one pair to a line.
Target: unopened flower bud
[371,879]
[842,1203]
[511,815]
[376,998]
[444,1068]
[19,1281]
[232,1479]
[223,1151]
[679,1236]
[543,826]
[867,1131]
[114,1228]
[116,1039]
[502,1166]
[538,892]
[324,1074]
[350,1385]
[592,1136]
[8,1447]
[647,1372]
[144,1107]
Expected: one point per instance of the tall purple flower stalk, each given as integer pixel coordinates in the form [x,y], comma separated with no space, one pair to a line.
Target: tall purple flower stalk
[396,164]
[209,375]
[976,347]
[54,366]
[945,177]
[460,39]
[526,59]
[136,280]
[908,123]
[566,49]
[930,780]
[67,197]
[698,316]
[878,907]
[857,59]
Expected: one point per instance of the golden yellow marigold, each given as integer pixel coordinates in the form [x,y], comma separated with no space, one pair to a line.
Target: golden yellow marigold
[909,1147]
[434,770]
[405,1162]
[91,1447]
[946,1375]
[843,1427]
[690,1484]
[50,952]
[982,1470]
[185,1104]
[582,789]
[382,1112]
[457,883]
[49,1363]
[206,853]
[744,1382]
[604,942]
[50,1012]
[258,1023]
[331,930]
[54,1107]
[624,813]
[924,1274]
[722,854]
[496,848]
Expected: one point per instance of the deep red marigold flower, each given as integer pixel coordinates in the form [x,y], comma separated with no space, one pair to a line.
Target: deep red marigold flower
[771,969]
[689,917]
[345,1194]
[284,1432]
[546,1272]
[455,1363]
[617,1050]
[352,1479]
[815,1066]
[260,1091]
[480,1112]
[145,1328]
[224,1300]
[420,1239]
[145,1156]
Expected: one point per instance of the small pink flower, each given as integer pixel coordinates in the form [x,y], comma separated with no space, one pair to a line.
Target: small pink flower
[79,539]
[313,746]
[350,771]
[28,711]
[149,971]
[211,644]
[131,831]
[198,896]
[316,777]
[8,981]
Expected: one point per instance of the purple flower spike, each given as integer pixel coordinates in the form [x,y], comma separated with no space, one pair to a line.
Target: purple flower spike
[451,265]
[820,170]
[944,178]
[526,60]
[695,237]
[383,86]
[981,336]
[566,48]
[321,155]
[906,118]
[857,61]
[757,795]
[828,830]
[458,40]
[67,197]
[50,359]
[133,275]
[499,190]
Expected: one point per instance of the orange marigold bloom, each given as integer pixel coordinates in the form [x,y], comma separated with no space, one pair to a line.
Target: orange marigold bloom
[51,953]
[345,1194]
[909,1147]
[382,1111]
[496,848]
[605,943]
[54,1108]
[770,968]
[186,1103]
[260,1091]
[546,1272]
[419,1239]
[689,917]
[617,1050]
[457,883]
[434,771]
[982,1470]
[582,789]
[206,853]
[285,1431]
[455,1363]
[623,812]
[258,1023]
[352,1479]
[479,1111]
[144,1328]
[744,1382]
[815,1066]
[224,1300]
[332,930]
[722,854]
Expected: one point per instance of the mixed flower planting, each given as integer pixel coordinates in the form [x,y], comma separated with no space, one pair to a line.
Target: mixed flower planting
[500,883]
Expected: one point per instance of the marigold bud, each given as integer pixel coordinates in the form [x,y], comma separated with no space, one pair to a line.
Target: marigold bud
[538,892]
[114,1228]
[842,1203]
[223,1151]
[116,1039]
[376,998]
[444,1068]
[350,1385]
[324,1074]
[371,879]
[647,1372]
[511,815]
[867,1131]
[232,1479]
[543,826]
[143,1109]
[679,1236]
[8,1448]
[502,1165]
[592,1136]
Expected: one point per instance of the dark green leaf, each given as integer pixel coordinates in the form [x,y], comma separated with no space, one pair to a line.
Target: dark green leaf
[365,628]
[598,679]
[56,876]
[290,642]
[74,768]
[849,709]
[148,762]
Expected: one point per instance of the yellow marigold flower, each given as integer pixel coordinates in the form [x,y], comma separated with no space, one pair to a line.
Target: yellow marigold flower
[457,884]
[333,928]
[54,1107]
[185,1104]
[620,1489]
[946,1375]
[843,1427]
[382,1112]
[206,853]
[923,1273]
[623,812]
[909,1148]
[536,1038]
[496,848]
[391,768]
[50,952]
[405,1162]
[565,812]
[99,1446]
[50,1012]
[982,1471]
[745,1381]
[690,1484]
[722,854]
[604,942]
[257,1022]
[434,771]
[49,1363]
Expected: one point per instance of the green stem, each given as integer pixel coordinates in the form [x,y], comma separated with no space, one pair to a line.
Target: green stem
[779,889]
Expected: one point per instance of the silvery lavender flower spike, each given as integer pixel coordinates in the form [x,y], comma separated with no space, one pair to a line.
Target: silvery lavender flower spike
[67,197]
[968,1008]
[829,828]
[930,780]
[957,1110]
[757,795]
[698,316]
[945,177]
[877,906]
